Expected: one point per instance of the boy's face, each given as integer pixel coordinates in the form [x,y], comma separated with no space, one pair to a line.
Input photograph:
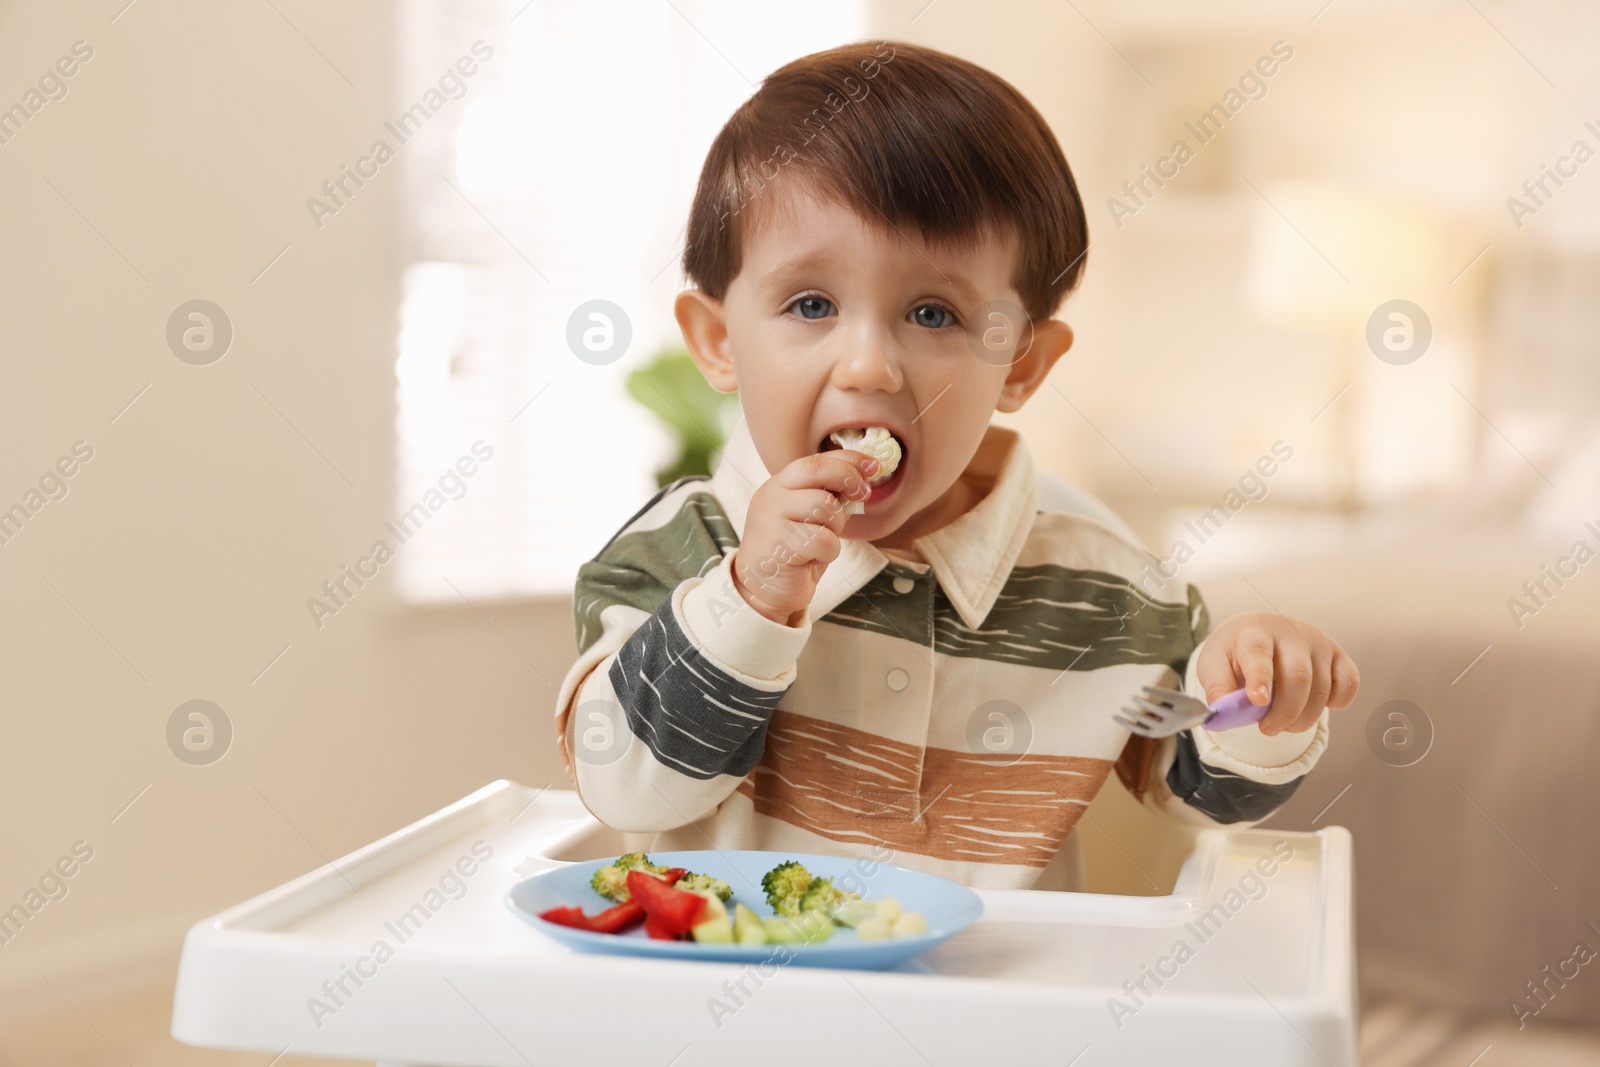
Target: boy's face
[833,322]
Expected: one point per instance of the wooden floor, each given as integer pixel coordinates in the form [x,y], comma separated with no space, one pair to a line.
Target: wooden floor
[1397,1033]
[129,1029]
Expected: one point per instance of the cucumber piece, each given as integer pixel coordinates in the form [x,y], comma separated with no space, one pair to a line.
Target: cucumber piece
[852,912]
[747,929]
[714,926]
[809,928]
[717,930]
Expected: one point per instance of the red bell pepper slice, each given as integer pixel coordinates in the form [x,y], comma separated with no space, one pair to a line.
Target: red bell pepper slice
[617,918]
[613,920]
[672,911]
[568,916]
[657,931]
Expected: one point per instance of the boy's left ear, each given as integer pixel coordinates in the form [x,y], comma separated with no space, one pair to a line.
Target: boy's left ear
[1051,339]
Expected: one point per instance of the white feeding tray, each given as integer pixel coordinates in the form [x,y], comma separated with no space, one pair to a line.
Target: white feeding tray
[404,952]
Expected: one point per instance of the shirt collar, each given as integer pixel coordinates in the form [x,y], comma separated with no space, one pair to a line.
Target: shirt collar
[971,557]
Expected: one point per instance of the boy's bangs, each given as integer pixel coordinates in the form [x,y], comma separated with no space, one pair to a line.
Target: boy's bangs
[920,141]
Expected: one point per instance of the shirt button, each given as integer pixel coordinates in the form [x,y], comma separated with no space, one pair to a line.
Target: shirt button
[902,584]
[898,679]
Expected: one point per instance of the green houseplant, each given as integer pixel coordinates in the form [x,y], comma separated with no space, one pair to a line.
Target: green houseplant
[696,415]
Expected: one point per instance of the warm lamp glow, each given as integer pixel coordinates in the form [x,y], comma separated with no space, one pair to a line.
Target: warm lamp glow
[1336,252]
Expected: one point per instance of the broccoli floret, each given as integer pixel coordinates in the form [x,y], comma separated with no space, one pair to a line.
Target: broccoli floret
[611,881]
[705,883]
[825,897]
[786,884]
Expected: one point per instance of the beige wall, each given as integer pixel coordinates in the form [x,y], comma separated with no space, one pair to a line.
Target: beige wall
[191,540]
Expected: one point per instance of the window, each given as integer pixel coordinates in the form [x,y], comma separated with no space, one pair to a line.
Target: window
[558,172]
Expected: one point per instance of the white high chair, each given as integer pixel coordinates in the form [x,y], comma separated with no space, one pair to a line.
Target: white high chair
[1081,978]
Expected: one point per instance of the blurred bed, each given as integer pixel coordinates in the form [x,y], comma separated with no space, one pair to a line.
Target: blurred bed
[1476,865]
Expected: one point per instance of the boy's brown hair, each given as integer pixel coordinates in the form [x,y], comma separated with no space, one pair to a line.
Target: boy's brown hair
[904,134]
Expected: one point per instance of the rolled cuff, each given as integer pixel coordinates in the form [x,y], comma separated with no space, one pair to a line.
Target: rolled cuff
[734,635]
[1249,752]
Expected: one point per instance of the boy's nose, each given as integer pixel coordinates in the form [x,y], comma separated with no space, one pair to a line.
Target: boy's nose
[867,365]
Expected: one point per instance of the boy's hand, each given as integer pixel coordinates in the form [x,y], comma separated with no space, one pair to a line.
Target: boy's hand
[791,533]
[1292,663]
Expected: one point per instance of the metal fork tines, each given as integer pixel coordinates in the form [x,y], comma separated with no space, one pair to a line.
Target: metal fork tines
[1165,712]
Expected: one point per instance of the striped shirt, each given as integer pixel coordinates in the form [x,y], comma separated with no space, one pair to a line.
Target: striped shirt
[953,703]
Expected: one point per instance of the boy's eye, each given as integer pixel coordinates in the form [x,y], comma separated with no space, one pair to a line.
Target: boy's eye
[933,316]
[812,307]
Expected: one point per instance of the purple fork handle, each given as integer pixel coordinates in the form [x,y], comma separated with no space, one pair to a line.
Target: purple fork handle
[1233,711]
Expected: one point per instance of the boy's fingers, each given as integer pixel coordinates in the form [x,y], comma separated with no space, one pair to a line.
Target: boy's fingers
[805,546]
[1252,655]
[1317,698]
[1346,680]
[806,507]
[1214,672]
[821,546]
[840,471]
[1307,719]
[1295,675]
[1321,686]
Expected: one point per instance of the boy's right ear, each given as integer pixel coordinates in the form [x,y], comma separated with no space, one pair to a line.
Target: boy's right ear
[704,323]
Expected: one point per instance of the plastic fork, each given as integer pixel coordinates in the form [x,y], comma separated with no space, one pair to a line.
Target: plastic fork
[1166,712]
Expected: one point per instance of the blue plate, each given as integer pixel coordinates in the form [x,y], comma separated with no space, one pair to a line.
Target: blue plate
[948,908]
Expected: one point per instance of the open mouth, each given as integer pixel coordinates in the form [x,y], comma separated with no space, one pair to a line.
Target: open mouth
[882,487]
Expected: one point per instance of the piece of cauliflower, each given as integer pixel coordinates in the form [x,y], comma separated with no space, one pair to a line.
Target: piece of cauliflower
[877,442]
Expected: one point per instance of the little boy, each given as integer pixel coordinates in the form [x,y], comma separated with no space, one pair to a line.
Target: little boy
[880,237]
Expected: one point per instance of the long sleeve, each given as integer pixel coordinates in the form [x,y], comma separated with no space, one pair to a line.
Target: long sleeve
[1229,778]
[666,709]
